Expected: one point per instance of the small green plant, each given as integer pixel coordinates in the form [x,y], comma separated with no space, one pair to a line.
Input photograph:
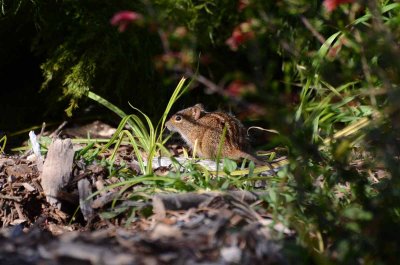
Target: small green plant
[143,136]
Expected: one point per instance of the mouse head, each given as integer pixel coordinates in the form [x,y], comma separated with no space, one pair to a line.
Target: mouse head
[185,119]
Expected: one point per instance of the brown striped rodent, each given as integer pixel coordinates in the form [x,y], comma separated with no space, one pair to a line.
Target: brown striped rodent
[196,124]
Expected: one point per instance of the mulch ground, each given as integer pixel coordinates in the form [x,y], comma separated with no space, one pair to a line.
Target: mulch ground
[191,228]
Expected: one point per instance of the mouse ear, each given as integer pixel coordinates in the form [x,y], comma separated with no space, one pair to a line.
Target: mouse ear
[196,111]
[200,106]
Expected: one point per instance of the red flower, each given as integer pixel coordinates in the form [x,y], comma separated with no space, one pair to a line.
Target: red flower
[235,88]
[238,88]
[240,34]
[335,49]
[331,5]
[124,18]
[242,4]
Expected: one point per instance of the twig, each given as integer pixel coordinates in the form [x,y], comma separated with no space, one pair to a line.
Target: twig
[59,128]
[310,27]
[192,199]
[214,87]
[42,130]
[13,198]
[103,200]
[19,211]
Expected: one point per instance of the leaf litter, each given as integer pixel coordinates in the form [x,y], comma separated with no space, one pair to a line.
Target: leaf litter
[116,227]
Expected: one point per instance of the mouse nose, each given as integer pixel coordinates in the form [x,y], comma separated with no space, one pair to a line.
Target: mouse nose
[168,126]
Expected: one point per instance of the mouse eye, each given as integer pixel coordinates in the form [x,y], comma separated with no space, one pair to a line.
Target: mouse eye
[178,118]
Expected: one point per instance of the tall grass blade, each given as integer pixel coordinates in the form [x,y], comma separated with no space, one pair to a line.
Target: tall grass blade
[106,104]
[3,142]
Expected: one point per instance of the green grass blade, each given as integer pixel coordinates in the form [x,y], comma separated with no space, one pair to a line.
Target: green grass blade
[178,92]
[106,104]
[4,140]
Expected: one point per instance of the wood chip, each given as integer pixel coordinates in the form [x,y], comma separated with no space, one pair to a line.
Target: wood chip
[192,199]
[57,169]
[103,200]
[85,190]
[28,187]
[163,230]
[18,170]
[158,208]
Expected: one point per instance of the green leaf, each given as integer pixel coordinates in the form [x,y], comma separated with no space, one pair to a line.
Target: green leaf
[356,213]
[229,165]
[325,48]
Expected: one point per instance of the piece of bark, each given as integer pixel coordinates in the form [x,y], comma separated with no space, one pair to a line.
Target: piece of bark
[13,198]
[57,169]
[85,190]
[162,230]
[191,200]
[36,150]
[28,187]
[104,199]
[18,170]
[83,253]
[158,208]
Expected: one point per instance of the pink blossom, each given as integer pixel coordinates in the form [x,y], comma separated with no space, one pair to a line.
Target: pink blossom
[242,4]
[123,18]
[235,88]
[334,50]
[239,88]
[331,5]
[241,34]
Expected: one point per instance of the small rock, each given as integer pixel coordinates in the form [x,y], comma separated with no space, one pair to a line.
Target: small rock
[231,254]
